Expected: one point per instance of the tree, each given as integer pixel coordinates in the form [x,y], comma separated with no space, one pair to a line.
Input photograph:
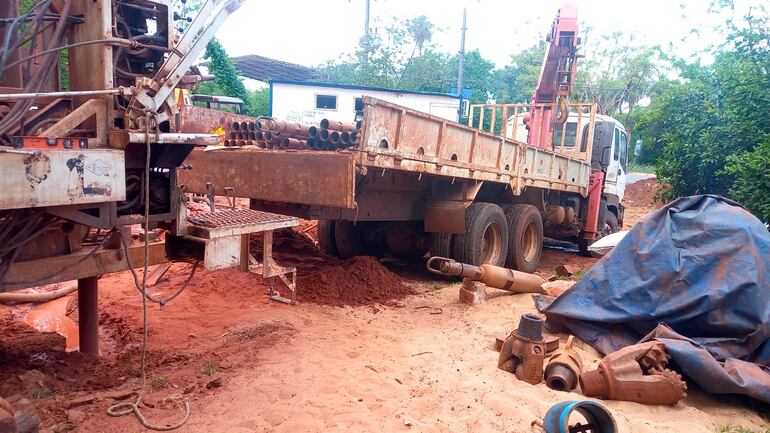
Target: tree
[226,76]
[516,81]
[618,74]
[713,121]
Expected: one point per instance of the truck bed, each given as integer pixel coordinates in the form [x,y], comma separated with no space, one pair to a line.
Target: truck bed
[394,138]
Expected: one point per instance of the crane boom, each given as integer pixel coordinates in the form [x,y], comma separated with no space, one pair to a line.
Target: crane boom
[557,76]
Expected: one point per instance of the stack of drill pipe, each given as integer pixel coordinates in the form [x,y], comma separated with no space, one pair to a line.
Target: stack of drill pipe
[242,134]
[332,134]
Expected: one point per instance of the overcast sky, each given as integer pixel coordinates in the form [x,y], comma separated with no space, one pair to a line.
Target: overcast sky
[310,32]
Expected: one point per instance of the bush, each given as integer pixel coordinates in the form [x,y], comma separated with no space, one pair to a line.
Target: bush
[752,180]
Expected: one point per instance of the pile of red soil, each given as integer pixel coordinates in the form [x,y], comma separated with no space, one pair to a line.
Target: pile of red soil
[322,279]
[642,193]
[358,281]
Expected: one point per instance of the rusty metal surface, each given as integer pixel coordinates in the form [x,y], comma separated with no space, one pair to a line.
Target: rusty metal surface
[235,217]
[61,177]
[199,120]
[296,176]
[564,368]
[76,265]
[523,352]
[403,139]
[635,373]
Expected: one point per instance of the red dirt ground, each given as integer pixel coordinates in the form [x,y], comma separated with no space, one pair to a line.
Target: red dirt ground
[204,346]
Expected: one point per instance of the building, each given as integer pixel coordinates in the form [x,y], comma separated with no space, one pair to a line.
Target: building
[257,71]
[308,102]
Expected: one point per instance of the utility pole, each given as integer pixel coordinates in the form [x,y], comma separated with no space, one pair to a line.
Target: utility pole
[461,65]
[366,29]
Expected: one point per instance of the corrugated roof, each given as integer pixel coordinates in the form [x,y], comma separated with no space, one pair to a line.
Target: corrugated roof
[264,68]
[354,87]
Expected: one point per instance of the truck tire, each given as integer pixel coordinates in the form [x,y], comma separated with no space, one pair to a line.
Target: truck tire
[347,239]
[486,236]
[525,234]
[441,244]
[326,237]
[610,222]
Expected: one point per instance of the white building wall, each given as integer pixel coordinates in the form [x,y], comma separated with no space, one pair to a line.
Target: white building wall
[296,103]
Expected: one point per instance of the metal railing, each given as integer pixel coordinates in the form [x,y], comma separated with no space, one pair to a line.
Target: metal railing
[508,120]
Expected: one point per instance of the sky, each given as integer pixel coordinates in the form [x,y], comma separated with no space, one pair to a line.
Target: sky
[310,32]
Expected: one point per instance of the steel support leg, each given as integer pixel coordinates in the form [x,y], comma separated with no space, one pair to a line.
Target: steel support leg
[88,314]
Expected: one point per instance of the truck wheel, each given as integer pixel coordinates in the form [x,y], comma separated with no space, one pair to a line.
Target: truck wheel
[326,237]
[441,244]
[610,223]
[347,239]
[486,236]
[525,233]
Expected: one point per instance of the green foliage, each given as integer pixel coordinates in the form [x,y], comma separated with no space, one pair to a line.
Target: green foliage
[209,369]
[226,77]
[738,429]
[752,180]
[617,74]
[260,102]
[711,126]
[516,81]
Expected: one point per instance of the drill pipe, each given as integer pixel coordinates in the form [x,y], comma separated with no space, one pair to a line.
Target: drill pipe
[345,138]
[492,276]
[334,137]
[244,126]
[293,143]
[236,126]
[312,132]
[324,134]
[337,125]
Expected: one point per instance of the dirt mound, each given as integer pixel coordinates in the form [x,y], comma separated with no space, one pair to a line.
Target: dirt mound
[327,280]
[642,193]
[358,281]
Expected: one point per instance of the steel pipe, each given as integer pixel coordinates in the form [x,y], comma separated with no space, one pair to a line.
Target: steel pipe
[337,125]
[334,137]
[293,143]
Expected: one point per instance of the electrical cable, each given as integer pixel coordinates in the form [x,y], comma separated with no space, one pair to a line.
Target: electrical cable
[161,302]
[65,268]
[112,41]
[36,82]
[125,408]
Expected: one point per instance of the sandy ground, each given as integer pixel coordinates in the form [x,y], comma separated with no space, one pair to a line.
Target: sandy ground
[422,363]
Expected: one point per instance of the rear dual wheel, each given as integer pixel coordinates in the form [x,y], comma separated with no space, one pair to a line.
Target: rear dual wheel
[341,238]
[525,229]
[486,236]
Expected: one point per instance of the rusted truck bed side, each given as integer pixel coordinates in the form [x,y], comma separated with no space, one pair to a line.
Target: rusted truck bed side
[397,139]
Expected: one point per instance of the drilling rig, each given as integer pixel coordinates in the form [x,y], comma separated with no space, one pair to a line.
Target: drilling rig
[92,132]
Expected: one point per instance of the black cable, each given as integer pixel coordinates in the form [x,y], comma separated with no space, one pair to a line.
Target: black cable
[161,302]
[65,268]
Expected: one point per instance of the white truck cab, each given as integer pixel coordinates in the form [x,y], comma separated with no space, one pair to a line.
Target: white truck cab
[609,151]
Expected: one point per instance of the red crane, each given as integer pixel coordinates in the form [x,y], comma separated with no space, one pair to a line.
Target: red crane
[557,77]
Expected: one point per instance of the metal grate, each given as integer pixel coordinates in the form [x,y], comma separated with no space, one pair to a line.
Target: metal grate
[235,218]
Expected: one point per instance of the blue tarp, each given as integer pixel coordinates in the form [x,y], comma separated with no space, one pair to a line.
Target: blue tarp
[694,275]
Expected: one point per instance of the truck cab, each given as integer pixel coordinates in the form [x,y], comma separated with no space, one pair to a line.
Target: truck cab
[609,152]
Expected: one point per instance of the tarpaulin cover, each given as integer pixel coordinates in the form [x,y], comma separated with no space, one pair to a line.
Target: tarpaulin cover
[694,275]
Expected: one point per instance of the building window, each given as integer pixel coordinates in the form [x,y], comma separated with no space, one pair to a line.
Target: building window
[326,102]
